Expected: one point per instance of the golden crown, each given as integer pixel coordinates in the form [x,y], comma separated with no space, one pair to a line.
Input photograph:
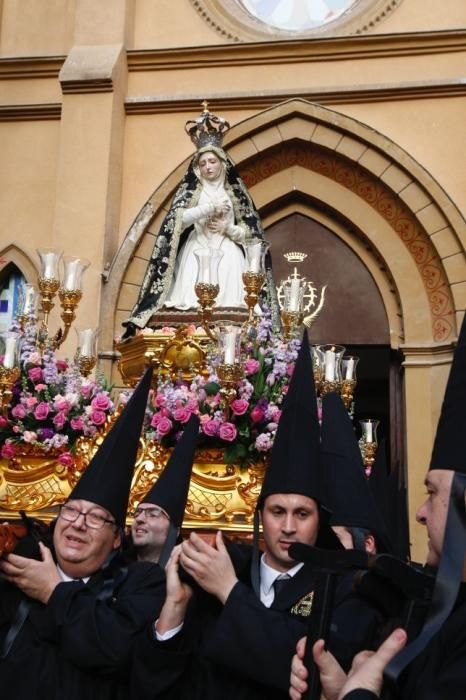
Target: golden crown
[207,129]
[294,256]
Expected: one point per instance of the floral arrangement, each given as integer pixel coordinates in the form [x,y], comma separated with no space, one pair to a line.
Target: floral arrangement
[53,405]
[248,432]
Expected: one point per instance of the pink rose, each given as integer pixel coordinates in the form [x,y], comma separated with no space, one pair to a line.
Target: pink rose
[251,366]
[239,406]
[8,450]
[210,427]
[156,418]
[227,432]
[77,423]
[59,420]
[182,415]
[66,459]
[257,414]
[61,404]
[35,374]
[61,365]
[164,426]
[101,402]
[18,411]
[3,422]
[29,436]
[160,400]
[98,417]
[41,411]
[86,390]
[290,369]
[41,387]
[204,418]
[31,401]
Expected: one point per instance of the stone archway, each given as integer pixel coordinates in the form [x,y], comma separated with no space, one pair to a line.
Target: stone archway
[401,221]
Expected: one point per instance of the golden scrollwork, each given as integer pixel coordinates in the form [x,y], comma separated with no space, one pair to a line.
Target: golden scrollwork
[220,495]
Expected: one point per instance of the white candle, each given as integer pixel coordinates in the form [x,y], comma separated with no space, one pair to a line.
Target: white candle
[369,437]
[329,366]
[29,300]
[294,294]
[50,262]
[10,352]
[349,368]
[204,269]
[87,343]
[71,282]
[229,343]
[255,258]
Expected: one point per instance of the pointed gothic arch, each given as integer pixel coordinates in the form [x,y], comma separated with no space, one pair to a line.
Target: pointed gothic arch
[403,224]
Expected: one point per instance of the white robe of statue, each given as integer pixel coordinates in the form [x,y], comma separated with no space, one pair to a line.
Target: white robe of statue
[213,213]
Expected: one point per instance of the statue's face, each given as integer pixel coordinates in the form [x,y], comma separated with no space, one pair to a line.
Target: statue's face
[210,165]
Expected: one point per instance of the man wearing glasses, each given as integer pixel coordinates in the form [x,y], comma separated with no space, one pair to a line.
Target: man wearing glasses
[69,613]
[149,531]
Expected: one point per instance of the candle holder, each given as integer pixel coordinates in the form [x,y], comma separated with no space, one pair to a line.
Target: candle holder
[9,371]
[330,363]
[348,382]
[228,375]
[368,443]
[254,276]
[207,286]
[8,377]
[86,351]
[230,370]
[291,321]
[70,293]
[27,304]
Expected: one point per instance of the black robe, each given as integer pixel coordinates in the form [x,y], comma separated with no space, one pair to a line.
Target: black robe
[243,650]
[78,646]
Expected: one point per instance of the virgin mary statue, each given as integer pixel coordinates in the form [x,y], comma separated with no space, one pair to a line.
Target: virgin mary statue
[212,208]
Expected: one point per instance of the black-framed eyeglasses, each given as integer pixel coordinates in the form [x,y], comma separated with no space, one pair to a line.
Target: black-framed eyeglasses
[93,520]
[151,513]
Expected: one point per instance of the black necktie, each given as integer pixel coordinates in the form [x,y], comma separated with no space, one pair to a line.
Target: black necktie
[279,583]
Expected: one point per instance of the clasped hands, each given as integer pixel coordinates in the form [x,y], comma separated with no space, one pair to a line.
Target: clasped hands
[37,579]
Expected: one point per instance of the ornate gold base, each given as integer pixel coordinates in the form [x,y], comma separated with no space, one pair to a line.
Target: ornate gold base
[220,496]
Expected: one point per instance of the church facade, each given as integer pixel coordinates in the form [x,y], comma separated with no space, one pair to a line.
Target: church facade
[347,126]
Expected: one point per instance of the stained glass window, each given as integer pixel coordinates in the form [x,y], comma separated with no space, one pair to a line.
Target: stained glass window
[297,15]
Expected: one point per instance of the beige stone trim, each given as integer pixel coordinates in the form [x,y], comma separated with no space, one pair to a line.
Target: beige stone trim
[92,68]
[34,112]
[426,89]
[31,67]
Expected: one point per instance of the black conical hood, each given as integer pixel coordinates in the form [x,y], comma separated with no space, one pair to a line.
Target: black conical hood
[390,497]
[107,479]
[348,495]
[449,450]
[170,491]
[295,460]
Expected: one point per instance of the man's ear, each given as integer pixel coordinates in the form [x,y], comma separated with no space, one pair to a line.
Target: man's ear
[369,542]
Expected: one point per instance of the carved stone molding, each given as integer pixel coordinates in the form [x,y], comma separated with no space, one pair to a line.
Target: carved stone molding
[232,22]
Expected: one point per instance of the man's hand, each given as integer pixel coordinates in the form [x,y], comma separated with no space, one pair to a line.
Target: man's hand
[332,676]
[210,567]
[177,597]
[37,579]
[368,667]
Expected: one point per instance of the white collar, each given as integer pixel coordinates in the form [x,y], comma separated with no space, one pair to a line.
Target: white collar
[67,578]
[268,575]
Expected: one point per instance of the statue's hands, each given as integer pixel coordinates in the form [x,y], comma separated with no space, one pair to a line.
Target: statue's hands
[216,225]
[223,206]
